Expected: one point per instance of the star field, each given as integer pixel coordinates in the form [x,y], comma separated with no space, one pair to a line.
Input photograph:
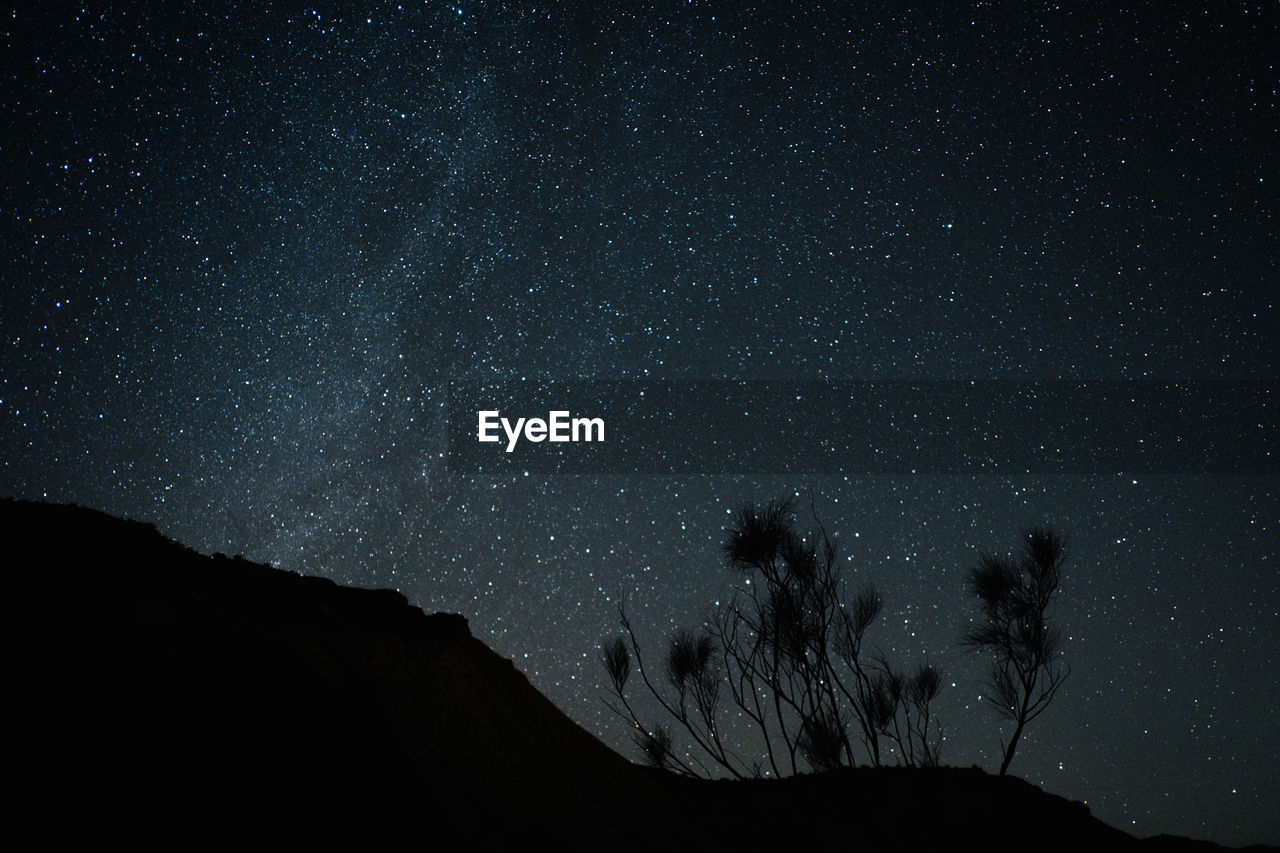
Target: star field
[245,249]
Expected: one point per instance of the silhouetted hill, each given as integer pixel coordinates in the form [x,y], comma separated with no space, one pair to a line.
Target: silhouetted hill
[162,695]
[153,674]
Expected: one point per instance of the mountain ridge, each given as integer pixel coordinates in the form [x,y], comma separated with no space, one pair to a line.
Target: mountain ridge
[212,685]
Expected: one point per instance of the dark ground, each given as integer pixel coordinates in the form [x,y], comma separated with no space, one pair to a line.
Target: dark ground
[163,696]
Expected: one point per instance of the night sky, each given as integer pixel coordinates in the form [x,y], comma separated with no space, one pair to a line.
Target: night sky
[245,250]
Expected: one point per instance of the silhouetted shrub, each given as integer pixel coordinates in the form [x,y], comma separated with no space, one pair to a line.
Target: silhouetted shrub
[1015,597]
[788,652]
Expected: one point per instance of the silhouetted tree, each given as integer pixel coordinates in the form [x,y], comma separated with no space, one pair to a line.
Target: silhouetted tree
[788,652]
[911,725]
[1015,598]
[655,745]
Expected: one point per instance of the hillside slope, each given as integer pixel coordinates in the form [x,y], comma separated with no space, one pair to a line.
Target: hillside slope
[151,674]
[162,692]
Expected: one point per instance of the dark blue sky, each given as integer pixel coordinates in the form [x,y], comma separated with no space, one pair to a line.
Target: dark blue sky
[246,248]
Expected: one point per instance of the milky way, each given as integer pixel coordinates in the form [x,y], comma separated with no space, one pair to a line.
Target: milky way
[246,250]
